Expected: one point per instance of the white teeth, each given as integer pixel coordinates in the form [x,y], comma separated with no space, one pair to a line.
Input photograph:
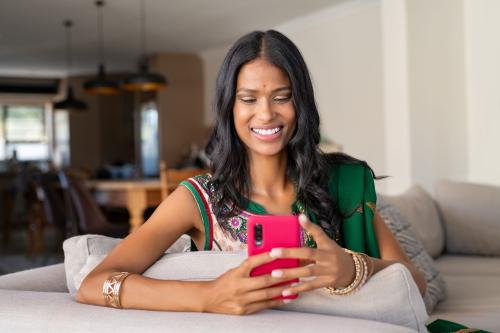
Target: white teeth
[269,131]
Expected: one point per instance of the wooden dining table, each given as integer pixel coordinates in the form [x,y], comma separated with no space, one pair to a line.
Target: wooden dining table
[135,195]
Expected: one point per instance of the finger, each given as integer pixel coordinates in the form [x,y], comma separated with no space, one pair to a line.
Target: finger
[263,281]
[306,286]
[305,253]
[265,294]
[305,262]
[320,237]
[300,272]
[259,306]
[253,261]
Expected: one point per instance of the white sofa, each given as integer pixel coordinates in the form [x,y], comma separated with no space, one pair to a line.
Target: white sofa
[38,300]
[464,240]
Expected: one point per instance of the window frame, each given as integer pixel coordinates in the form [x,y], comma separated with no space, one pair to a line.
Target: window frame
[47,119]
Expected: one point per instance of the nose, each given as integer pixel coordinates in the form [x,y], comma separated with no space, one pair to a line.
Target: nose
[265,112]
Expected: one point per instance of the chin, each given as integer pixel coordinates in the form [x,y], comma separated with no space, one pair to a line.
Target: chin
[267,151]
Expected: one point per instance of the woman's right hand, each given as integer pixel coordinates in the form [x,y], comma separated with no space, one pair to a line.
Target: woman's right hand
[236,292]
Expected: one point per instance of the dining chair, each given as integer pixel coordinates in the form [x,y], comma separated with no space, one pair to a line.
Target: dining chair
[18,207]
[86,212]
[170,178]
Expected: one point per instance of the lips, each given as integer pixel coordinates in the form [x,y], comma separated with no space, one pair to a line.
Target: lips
[267,133]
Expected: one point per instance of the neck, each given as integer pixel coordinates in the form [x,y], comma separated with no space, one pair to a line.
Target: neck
[268,175]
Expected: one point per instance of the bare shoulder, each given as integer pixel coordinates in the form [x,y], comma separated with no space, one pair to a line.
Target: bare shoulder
[175,216]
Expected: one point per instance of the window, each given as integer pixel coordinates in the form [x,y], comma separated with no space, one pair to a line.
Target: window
[24,132]
[61,151]
[149,140]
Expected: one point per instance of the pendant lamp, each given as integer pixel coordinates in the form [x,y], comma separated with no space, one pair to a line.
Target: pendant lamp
[144,80]
[100,85]
[69,102]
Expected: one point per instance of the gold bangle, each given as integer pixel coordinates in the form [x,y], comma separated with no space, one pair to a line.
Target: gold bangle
[370,264]
[111,289]
[360,273]
[365,273]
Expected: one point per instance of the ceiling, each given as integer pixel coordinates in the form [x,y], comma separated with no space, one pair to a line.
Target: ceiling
[32,37]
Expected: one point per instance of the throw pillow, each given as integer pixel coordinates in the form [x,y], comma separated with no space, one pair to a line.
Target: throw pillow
[78,249]
[404,233]
[420,210]
[390,296]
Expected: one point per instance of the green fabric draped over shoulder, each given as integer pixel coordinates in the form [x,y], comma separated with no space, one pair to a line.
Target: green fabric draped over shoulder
[352,186]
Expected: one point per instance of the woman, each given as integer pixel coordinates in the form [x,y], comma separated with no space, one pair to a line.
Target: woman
[264,161]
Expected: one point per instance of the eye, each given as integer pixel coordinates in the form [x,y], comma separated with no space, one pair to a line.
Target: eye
[247,100]
[282,99]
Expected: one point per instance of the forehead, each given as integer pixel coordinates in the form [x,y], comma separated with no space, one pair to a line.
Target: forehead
[261,74]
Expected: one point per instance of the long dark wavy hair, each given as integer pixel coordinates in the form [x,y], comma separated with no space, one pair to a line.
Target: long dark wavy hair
[307,166]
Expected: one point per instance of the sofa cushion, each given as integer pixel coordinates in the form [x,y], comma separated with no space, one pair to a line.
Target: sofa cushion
[25,311]
[77,250]
[402,306]
[418,207]
[405,234]
[473,300]
[47,278]
[470,215]
[452,264]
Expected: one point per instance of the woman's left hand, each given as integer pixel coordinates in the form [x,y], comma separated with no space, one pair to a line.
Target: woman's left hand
[329,264]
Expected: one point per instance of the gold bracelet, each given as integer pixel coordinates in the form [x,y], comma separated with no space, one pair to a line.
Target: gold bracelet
[365,273]
[370,264]
[111,289]
[359,274]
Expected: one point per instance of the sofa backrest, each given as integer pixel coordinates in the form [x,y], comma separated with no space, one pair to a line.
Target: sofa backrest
[419,208]
[471,217]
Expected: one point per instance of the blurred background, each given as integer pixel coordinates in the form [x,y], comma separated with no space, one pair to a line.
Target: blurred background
[102,102]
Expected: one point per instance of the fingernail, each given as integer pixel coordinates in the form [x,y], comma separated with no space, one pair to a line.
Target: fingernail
[286,301]
[303,219]
[276,253]
[277,273]
[286,292]
[295,284]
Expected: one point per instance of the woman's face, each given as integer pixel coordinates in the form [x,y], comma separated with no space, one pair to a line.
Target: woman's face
[264,116]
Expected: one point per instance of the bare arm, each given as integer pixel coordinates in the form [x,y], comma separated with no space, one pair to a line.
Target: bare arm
[175,216]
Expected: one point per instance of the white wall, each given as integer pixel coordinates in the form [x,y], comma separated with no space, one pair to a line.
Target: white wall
[437,90]
[395,91]
[482,24]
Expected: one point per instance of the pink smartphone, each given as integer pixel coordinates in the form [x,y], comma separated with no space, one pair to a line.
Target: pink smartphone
[266,232]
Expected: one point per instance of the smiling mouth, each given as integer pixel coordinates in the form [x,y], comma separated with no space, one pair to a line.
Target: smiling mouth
[266,131]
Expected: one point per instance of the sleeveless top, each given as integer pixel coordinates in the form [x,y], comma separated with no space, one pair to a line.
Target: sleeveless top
[351,187]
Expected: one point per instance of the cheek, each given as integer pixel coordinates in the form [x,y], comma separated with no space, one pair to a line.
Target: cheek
[240,119]
[292,120]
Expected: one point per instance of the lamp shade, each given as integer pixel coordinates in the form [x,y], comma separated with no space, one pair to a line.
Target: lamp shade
[144,80]
[70,102]
[100,85]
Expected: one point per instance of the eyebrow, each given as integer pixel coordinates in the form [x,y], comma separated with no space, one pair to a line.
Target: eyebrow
[254,91]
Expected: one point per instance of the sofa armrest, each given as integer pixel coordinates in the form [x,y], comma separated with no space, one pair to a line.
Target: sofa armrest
[28,311]
[48,278]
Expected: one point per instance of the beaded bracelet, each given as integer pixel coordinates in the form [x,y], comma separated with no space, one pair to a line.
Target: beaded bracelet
[111,289]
